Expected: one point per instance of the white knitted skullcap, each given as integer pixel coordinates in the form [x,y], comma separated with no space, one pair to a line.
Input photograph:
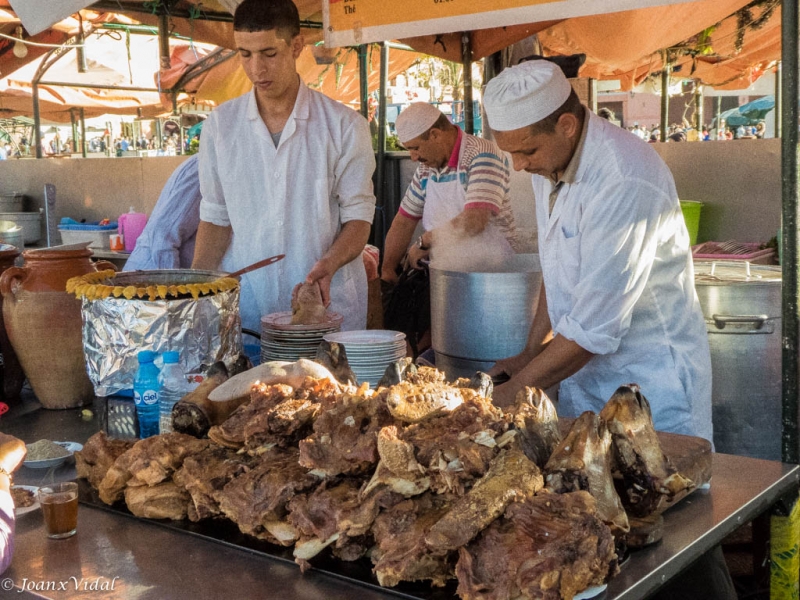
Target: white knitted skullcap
[525,94]
[415,120]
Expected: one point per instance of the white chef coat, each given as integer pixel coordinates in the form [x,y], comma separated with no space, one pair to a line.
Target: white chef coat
[290,200]
[620,281]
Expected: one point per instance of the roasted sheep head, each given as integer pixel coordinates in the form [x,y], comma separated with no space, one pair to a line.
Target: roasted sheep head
[582,461]
[333,357]
[534,417]
[451,450]
[650,481]
[398,371]
[307,306]
[511,477]
[412,403]
[548,547]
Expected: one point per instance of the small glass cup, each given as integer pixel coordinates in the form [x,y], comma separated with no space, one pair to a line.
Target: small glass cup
[59,502]
[116,242]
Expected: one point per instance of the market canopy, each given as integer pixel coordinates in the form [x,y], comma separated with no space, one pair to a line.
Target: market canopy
[703,39]
[748,114]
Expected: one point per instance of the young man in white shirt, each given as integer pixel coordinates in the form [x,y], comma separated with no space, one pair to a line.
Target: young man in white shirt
[285,170]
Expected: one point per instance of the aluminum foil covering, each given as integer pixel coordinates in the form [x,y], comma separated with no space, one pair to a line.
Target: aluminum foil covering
[115,330]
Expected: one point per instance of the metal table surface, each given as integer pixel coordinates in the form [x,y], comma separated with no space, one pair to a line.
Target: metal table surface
[143,561]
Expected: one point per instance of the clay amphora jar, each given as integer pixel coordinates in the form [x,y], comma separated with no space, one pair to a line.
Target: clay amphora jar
[44,323]
[13,376]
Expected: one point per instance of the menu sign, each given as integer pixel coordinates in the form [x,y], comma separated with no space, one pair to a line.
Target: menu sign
[351,22]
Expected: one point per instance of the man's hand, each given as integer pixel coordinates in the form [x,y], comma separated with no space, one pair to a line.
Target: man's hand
[510,366]
[322,273]
[389,276]
[504,395]
[416,254]
[12,452]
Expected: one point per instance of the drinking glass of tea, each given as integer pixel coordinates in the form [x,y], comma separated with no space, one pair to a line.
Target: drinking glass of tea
[59,502]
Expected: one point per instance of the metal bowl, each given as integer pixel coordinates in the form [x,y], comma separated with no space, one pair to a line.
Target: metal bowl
[166,277]
[12,234]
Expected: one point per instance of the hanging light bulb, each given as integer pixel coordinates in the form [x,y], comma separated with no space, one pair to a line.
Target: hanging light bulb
[20,49]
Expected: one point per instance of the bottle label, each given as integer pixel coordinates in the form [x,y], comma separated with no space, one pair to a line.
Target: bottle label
[148,398]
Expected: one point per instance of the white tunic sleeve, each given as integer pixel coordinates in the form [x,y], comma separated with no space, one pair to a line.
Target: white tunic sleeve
[353,173]
[212,207]
[608,260]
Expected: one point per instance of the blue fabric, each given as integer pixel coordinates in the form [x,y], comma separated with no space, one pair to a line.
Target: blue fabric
[68,224]
[167,241]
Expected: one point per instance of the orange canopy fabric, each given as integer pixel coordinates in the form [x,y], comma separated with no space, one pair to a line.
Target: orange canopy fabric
[339,79]
[626,46]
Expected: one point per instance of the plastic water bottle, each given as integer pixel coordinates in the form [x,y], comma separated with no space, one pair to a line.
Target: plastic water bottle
[172,388]
[145,394]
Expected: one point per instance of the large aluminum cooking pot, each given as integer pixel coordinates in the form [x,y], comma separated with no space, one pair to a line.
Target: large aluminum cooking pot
[478,318]
[115,330]
[742,308]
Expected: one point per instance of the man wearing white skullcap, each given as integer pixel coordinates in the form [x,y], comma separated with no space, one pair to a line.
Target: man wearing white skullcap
[618,304]
[459,192]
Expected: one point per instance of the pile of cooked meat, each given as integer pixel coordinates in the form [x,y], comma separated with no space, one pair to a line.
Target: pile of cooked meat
[427,479]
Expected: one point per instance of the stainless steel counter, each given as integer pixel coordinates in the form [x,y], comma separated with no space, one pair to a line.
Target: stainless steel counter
[149,561]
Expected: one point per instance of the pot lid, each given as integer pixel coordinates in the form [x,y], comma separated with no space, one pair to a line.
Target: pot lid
[720,272]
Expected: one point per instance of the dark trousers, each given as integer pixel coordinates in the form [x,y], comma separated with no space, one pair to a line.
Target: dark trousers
[706,579]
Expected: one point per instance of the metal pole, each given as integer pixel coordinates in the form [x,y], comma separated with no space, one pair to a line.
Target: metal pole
[81,52]
[593,95]
[83,132]
[699,108]
[74,130]
[363,80]
[125,88]
[778,100]
[163,41]
[466,60]
[380,176]
[37,120]
[789,163]
[664,101]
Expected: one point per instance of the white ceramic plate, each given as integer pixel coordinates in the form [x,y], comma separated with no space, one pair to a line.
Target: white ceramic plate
[32,507]
[54,462]
[590,592]
[368,337]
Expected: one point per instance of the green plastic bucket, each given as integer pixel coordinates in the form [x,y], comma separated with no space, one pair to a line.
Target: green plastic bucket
[691,214]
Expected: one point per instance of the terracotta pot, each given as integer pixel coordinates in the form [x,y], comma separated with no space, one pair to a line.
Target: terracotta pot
[44,324]
[13,376]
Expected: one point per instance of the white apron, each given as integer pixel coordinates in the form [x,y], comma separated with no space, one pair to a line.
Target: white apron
[444,201]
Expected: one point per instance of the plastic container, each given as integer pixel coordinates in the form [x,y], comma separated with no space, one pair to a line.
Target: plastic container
[145,394]
[74,232]
[172,388]
[31,223]
[754,255]
[11,202]
[98,239]
[131,225]
[691,214]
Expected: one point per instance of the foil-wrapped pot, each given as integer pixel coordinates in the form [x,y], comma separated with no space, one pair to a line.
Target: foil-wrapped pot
[204,330]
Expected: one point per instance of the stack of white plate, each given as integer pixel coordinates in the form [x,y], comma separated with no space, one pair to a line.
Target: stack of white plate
[280,340]
[370,351]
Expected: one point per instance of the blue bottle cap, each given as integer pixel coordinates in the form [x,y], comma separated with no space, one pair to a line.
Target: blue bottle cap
[171,357]
[146,356]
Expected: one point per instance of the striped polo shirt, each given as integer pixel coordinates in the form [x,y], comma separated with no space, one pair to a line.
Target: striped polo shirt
[484,174]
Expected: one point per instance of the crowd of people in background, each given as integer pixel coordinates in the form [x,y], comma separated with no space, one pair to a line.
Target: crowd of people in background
[686,132]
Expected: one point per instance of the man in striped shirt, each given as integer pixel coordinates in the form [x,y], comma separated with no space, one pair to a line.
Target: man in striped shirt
[459,191]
